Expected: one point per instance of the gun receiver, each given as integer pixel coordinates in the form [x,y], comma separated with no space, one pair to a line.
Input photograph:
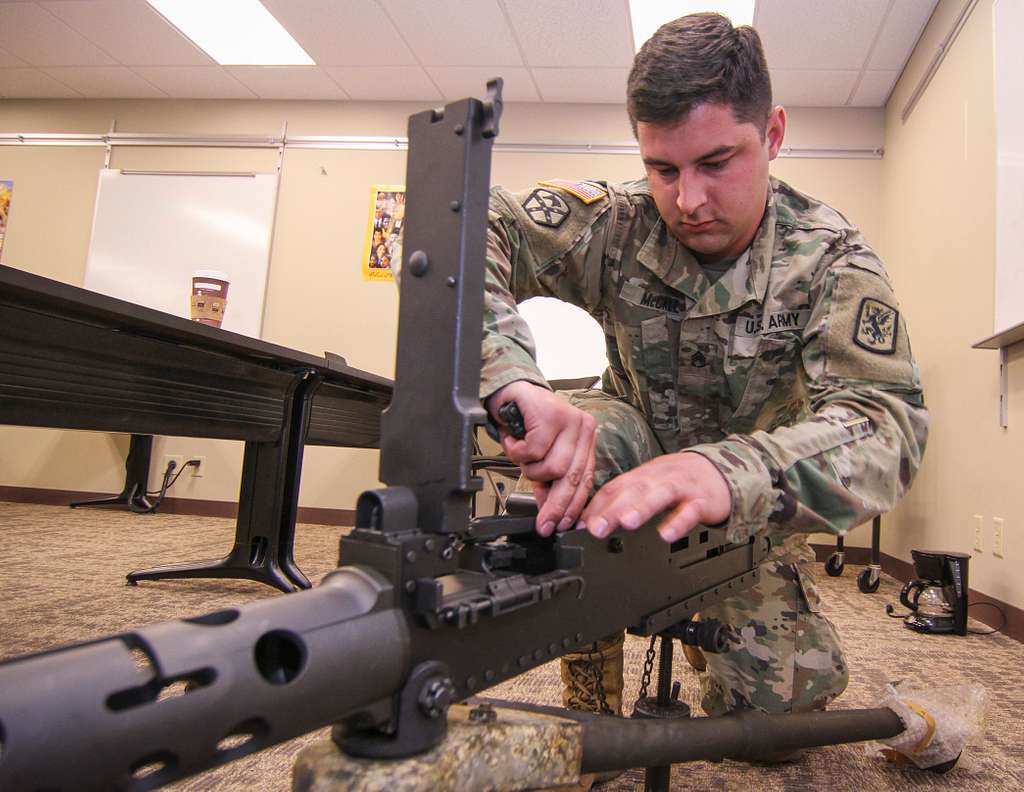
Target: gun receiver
[428,607]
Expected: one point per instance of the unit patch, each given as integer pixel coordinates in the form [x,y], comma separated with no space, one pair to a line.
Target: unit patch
[585,191]
[546,208]
[876,327]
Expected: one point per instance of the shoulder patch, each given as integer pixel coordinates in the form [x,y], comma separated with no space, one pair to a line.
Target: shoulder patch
[877,327]
[546,208]
[865,339]
[585,191]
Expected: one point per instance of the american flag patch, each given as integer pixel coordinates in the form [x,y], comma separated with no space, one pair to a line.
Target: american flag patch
[585,191]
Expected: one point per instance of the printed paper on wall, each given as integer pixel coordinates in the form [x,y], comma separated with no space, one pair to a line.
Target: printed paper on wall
[382,252]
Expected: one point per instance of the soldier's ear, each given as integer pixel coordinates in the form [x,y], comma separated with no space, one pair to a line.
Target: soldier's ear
[775,131]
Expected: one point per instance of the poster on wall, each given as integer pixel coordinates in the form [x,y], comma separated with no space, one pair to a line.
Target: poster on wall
[383,250]
[6,188]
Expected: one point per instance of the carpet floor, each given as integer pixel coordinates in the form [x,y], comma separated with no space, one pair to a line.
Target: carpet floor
[63,582]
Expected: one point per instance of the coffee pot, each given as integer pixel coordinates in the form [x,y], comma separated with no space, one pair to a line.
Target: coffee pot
[937,598]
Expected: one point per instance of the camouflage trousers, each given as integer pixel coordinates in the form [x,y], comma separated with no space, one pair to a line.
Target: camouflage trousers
[786,655]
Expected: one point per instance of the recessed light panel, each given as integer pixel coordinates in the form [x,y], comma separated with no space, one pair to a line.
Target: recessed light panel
[649,15]
[234,32]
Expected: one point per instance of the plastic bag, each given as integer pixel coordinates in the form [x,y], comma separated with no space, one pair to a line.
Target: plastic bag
[940,722]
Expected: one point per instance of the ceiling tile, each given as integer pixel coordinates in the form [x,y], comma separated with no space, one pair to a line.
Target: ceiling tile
[194,82]
[33,34]
[456,82]
[903,27]
[106,82]
[8,61]
[604,86]
[33,84]
[573,33]
[874,88]
[823,34]
[812,88]
[287,82]
[448,32]
[342,32]
[385,83]
[130,31]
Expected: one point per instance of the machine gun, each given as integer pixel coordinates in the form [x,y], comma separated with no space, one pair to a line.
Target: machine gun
[427,607]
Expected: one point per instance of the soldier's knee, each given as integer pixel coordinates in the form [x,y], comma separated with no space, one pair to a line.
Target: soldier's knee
[623,440]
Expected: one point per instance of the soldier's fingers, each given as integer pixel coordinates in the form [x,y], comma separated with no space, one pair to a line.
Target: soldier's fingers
[557,461]
[579,499]
[633,501]
[566,492]
[680,521]
[530,449]
[569,494]
[540,493]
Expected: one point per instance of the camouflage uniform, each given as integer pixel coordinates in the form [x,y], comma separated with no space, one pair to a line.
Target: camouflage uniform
[792,374]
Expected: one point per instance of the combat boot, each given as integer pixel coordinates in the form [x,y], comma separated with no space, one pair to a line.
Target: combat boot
[587,677]
[585,673]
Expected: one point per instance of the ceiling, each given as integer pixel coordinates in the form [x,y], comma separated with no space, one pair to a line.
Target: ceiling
[823,53]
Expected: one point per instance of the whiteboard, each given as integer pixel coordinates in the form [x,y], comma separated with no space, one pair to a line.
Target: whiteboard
[1008,21]
[152,231]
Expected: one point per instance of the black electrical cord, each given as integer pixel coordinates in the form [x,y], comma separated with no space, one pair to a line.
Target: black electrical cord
[165,485]
[994,629]
[170,468]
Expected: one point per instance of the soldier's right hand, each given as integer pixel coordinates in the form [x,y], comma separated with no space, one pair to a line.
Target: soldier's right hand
[556,455]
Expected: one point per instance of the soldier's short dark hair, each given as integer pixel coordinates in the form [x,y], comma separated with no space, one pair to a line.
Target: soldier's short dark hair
[698,59]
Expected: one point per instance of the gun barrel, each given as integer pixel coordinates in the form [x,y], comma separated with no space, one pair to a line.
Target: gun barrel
[615,743]
[139,710]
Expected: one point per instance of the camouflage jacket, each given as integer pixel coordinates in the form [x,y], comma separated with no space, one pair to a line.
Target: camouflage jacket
[792,373]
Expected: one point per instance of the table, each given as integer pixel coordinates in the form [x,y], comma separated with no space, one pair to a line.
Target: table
[75,359]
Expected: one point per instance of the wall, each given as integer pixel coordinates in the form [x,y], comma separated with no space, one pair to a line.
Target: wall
[316,299]
[938,239]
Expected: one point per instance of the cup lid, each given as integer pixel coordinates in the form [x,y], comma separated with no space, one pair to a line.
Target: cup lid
[209,273]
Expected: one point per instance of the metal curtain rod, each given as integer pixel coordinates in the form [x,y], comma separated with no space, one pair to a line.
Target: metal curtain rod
[236,174]
[372,143]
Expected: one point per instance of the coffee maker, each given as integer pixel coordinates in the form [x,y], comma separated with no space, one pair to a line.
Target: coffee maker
[937,598]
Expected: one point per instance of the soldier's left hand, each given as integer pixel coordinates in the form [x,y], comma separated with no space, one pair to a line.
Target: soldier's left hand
[686,485]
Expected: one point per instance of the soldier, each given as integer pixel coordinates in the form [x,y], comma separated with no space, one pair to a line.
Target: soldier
[760,375]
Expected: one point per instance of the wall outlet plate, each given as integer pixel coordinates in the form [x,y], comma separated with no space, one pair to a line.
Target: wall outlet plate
[997,536]
[979,532]
[200,469]
[178,461]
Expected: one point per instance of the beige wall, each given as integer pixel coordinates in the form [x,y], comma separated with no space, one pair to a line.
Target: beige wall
[316,299]
[938,239]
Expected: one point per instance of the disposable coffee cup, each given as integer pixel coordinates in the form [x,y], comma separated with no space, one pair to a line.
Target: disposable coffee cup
[209,296]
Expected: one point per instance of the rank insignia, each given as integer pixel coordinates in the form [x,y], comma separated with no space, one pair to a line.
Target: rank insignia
[585,191]
[546,208]
[876,327]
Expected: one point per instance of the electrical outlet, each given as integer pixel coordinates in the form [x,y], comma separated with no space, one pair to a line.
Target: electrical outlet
[178,461]
[199,469]
[979,530]
[997,536]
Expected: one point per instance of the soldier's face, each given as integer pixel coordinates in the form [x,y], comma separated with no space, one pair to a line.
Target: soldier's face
[709,177]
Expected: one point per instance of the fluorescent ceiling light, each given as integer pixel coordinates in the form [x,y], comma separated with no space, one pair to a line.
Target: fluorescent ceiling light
[649,15]
[234,32]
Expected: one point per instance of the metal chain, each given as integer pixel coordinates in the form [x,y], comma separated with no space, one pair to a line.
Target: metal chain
[645,680]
